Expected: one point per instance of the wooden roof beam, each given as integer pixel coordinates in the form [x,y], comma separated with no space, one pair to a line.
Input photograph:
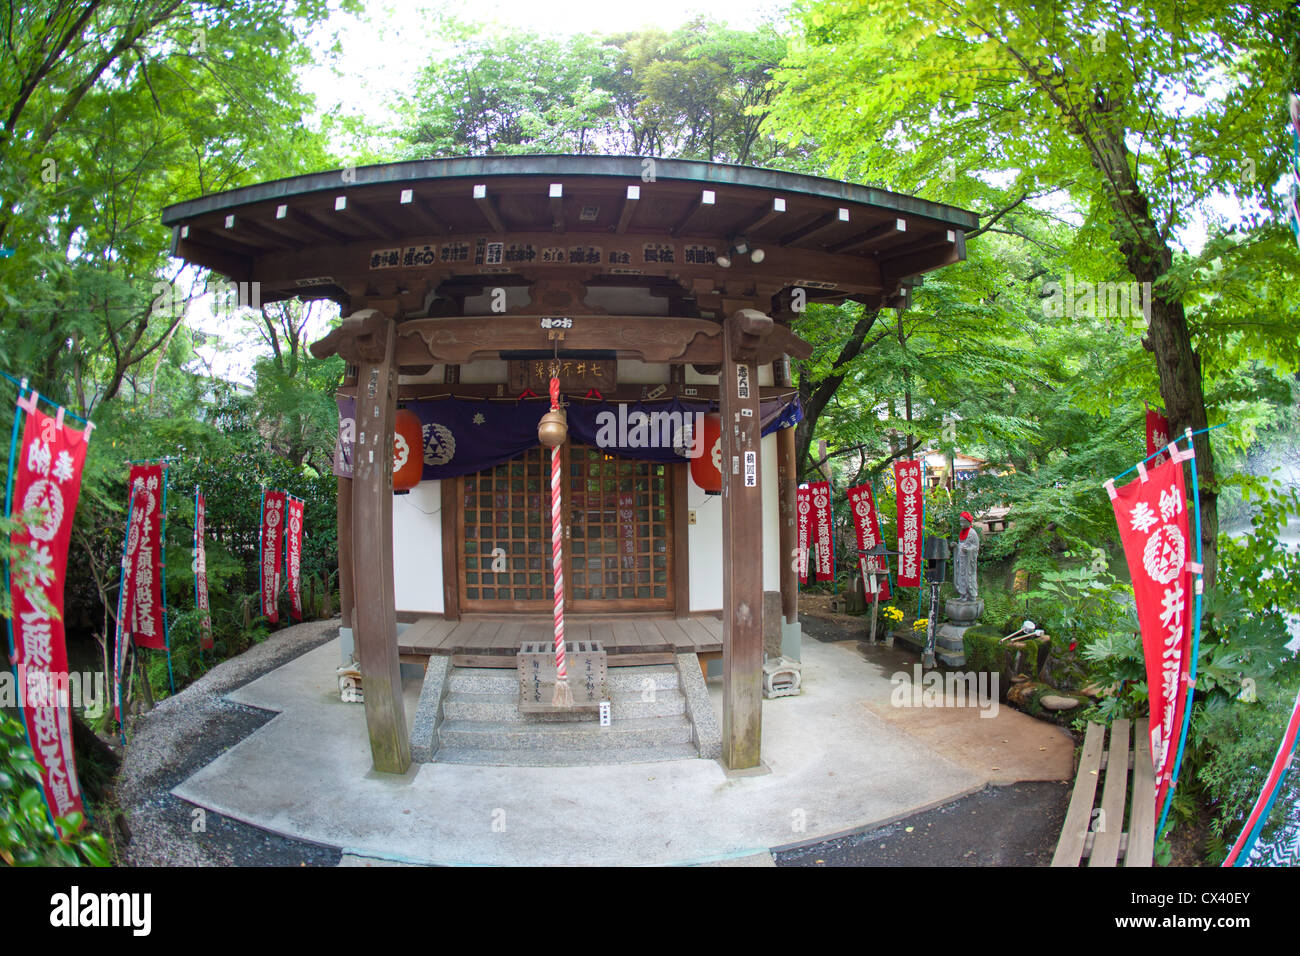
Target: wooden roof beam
[234,266]
[763,218]
[423,210]
[282,225]
[556,194]
[816,226]
[920,244]
[313,225]
[353,212]
[707,197]
[629,209]
[915,260]
[224,235]
[892,229]
[256,230]
[488,208]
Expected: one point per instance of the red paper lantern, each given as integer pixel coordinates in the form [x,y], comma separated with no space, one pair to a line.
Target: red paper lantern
[408,450]
[706,470]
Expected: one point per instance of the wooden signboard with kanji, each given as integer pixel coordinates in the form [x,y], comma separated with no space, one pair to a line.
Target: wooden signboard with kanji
[576,375]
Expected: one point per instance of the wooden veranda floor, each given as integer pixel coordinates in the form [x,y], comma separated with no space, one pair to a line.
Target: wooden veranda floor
[490,641]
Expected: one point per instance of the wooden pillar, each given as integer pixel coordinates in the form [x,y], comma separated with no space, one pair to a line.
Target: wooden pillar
[374,603]
[742,541]
[787,478]
[452,500]
[679,478]
[344,500]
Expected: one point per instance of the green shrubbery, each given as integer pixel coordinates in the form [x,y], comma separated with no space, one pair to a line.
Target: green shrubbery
[1231,745]
[27,837]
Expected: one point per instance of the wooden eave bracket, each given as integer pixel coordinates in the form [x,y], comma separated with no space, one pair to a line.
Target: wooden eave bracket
[361,338]
[759,340]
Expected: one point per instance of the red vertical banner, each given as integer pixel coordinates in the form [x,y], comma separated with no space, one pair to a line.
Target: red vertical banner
[1157,437]
[144,612]
[272,529]
[867,523]
[46,484]
[293,555]
[821,509]
[200,567]
[803,508]
[123,604]
[907,483]
[1152,516]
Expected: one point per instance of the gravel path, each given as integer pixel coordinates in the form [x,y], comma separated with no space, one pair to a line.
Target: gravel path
[188,731]
[1017,825]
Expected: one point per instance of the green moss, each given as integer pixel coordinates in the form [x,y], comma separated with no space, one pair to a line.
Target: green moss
[985,651]
[980,645]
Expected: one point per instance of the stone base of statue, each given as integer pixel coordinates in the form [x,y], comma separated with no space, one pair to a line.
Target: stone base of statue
[961,615]
[948,644]
[960,611]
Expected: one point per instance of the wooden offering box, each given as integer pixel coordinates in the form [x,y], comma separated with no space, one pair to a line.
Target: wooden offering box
[587,675]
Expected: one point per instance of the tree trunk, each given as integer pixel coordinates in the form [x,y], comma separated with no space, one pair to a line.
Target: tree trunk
[1149,258]
[1181,389]
[815,400]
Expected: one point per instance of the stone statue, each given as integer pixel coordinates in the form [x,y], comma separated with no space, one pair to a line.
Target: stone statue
[966,560]
[964,609]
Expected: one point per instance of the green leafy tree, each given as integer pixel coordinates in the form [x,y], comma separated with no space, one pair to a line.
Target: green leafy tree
[698,92]
[1152,118]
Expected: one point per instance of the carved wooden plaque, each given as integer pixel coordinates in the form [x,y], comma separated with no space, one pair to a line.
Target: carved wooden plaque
[576,375]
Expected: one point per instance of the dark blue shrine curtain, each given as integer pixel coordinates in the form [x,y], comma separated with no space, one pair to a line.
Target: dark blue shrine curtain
[464,436]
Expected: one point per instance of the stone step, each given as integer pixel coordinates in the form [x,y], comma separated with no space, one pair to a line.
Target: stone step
[586,737]
[621,680]
[505,708]
[566,758]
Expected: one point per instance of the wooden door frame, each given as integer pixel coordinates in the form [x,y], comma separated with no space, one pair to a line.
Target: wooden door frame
[675,535]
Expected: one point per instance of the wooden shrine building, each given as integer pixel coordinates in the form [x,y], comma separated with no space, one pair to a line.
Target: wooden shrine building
[654,286]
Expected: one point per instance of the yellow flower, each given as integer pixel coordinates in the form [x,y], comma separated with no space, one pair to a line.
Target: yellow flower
[921,624]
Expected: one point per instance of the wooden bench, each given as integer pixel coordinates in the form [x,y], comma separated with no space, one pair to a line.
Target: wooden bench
[1097,831]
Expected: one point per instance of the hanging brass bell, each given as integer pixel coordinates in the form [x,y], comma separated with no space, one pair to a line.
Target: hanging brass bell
[553,429]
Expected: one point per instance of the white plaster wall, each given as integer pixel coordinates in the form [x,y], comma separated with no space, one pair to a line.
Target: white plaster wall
[771,515]
[705,543]
[705,536]
[517,296]
[435,375]
[636,372]
[695,378]
[417,548]
[765,376]
[486,372]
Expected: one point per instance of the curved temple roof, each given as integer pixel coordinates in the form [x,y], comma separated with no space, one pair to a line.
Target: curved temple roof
[437,229]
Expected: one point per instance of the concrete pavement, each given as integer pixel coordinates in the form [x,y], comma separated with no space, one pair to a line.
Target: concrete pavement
[840,757]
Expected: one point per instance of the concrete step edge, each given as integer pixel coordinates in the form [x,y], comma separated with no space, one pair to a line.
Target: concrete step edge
[565,758]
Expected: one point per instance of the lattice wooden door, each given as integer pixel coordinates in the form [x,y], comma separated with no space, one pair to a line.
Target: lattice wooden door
[505,536]
[620,527]
[618,548]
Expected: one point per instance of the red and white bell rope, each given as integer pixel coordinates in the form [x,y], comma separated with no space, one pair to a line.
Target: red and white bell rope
[563,696]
